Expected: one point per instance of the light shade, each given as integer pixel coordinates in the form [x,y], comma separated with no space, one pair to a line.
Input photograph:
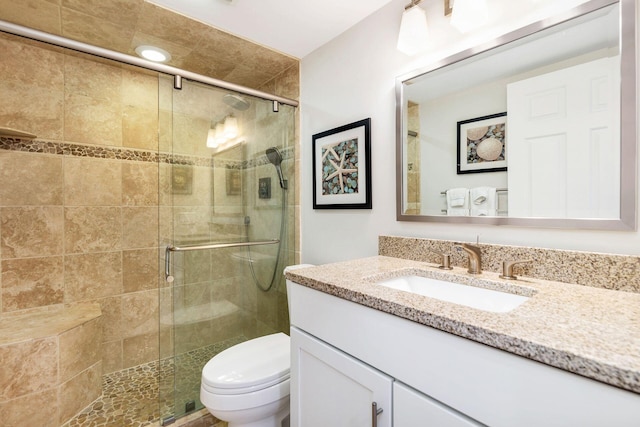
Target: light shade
[212,142]
[223,134]
[468,15]
[413,31]
[230,127]
[153,53]
[219,138]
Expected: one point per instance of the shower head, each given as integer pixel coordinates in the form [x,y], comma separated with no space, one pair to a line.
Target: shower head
[274,156]
[236,101]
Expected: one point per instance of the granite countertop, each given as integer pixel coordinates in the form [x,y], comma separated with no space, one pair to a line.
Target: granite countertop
[589,331]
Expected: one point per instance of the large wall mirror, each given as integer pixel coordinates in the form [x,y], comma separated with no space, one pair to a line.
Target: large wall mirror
[537,128]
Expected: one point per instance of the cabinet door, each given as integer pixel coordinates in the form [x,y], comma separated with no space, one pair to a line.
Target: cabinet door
[414,409]
[331,388]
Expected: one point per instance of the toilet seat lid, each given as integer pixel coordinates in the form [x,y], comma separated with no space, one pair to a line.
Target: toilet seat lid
[252,365]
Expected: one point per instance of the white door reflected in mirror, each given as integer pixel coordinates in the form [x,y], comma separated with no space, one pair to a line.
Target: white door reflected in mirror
[564,143]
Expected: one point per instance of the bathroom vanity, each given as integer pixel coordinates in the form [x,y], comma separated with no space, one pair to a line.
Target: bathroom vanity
[367,354]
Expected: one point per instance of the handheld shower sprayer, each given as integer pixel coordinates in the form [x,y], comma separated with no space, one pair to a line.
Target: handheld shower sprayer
[274,156]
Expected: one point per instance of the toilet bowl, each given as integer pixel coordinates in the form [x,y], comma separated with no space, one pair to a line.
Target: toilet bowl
[247,385]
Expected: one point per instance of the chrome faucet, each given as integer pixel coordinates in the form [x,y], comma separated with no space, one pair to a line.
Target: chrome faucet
[475,257]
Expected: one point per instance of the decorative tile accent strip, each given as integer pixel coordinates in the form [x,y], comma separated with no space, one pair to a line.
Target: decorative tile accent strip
[115,153]
[607,271]
[260,160]
[79,150]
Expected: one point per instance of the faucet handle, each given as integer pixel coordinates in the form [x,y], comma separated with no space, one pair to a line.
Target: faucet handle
[507,268]
[445,260]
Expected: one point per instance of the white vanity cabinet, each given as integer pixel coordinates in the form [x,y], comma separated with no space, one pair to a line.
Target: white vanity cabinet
[333,389]
[435,378]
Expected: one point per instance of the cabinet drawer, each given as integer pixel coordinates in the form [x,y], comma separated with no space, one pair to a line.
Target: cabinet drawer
[414,409]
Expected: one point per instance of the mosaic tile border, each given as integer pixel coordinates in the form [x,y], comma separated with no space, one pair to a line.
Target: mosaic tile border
[287,154]
[115,153]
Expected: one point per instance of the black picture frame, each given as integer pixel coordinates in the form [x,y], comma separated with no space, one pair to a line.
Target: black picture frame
[342,167]
[468,159]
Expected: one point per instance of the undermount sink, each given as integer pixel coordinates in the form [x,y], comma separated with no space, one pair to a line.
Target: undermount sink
[471,296]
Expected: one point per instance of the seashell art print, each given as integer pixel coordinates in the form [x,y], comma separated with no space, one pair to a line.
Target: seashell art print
[482,144]
[489,149]
[477,133]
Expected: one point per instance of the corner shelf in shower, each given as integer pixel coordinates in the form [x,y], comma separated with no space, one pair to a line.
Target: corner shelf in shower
[15,133]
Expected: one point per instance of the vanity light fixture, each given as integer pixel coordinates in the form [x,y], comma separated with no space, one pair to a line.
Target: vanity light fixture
[153,53]
[215,135]
[230,127]
[211,138]
[413,29]
[468,15]
[223,133]
[220,139]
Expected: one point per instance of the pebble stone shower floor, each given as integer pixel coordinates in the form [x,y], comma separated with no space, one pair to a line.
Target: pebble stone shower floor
[130,398]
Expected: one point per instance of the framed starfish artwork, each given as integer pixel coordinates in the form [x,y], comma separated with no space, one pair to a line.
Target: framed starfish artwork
[342,167]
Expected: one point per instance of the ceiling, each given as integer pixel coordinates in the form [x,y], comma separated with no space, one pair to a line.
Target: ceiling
[293,27]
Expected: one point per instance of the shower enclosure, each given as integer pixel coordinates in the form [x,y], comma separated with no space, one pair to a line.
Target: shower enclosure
[132,158]
[226,226]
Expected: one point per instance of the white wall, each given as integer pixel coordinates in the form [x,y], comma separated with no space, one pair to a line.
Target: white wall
[352,78]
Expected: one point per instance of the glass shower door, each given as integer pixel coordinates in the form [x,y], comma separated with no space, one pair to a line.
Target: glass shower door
[226,176]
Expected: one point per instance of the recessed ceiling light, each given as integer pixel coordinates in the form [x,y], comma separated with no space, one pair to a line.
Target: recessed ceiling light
[153,53]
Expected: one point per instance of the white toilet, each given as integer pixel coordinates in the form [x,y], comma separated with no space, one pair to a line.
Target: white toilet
[247,385]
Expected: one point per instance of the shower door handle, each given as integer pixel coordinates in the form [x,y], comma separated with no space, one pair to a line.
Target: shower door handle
[170,249]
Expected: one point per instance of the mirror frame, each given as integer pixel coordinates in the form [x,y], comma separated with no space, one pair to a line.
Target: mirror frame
[628,145]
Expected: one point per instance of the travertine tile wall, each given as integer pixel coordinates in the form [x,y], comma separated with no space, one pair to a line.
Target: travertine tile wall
[76,226]
[80,206]
[122,25]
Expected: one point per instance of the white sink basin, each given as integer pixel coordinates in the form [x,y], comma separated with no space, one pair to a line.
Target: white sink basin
[471,296]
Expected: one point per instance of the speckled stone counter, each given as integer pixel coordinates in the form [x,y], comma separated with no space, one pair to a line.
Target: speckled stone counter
[599,270]
[588,331]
